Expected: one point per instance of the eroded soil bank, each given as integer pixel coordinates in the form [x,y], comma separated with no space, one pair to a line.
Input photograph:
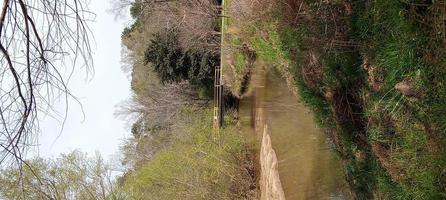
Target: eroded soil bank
[307,166]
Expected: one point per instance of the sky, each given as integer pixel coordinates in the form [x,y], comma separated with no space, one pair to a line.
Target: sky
[97,130]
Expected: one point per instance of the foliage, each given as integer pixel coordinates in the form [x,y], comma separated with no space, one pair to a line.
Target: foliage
[127,30]
[174,65]
[405,48]
[196,165]
[136,9]
[70,176]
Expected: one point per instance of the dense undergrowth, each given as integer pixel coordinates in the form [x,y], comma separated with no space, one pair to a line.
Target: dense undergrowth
[196,165]
[373,72]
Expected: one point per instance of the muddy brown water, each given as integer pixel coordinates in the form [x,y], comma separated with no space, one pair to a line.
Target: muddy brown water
[308,166]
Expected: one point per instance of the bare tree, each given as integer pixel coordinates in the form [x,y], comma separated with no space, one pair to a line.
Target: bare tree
[138,8]
[159,105]
[197,22]
[41,43]
[154,114]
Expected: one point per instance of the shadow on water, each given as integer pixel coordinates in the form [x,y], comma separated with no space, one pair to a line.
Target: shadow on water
[308,167]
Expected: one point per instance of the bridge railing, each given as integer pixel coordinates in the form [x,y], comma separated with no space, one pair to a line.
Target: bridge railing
[218,101]
[218,85]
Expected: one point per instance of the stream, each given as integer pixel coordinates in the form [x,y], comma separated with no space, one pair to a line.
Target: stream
[308,166]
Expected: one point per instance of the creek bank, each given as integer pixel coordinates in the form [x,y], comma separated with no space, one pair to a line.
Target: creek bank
[373,74]
[295,158]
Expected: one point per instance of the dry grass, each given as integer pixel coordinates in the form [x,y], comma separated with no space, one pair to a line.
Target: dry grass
[312,72]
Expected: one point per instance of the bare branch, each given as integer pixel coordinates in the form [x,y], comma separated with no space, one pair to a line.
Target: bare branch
[36,38]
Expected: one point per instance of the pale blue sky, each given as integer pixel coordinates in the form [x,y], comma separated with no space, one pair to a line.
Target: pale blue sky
[101,130]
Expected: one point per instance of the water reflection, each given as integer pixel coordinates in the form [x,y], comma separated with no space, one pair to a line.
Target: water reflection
[308,167]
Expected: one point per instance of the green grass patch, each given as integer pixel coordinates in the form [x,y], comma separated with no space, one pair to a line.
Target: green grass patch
[393,41]
[240,61]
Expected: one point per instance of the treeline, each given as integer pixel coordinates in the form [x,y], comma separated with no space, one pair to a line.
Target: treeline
[170,51]
[173,153]
[173,48]
[74,175]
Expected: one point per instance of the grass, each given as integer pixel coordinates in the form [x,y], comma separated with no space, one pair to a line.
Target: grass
[267,45]
[395,40]
[241,33]
[240,61]
[196,166]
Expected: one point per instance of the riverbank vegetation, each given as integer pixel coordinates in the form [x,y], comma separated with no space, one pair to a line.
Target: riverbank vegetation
[373,74]
[174,154]
[196,166]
